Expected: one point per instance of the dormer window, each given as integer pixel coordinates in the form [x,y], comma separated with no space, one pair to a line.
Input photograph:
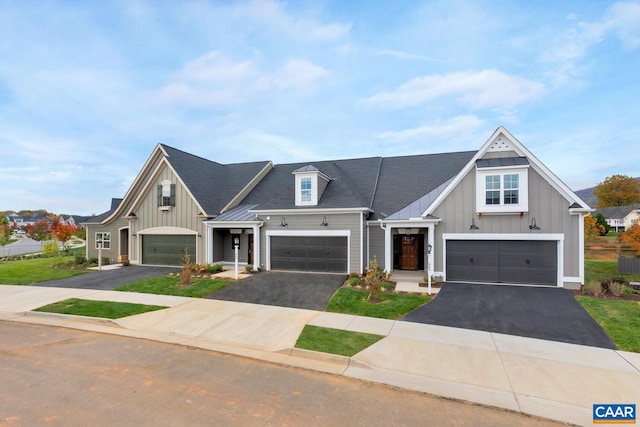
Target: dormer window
[502,185]
[310,184]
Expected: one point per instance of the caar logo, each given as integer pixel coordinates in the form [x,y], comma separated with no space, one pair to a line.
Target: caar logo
[604,413]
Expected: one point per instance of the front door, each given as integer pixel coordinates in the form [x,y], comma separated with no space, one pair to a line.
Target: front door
[409,253]
[250,249]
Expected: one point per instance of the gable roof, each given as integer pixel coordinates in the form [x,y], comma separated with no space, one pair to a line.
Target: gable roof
[616,212]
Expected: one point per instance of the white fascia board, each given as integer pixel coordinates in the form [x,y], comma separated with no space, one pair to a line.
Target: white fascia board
[168,230]
[521,150]
[577,211]
[503,236]
[231,224]
[136,181]
[405,222]
[307,211]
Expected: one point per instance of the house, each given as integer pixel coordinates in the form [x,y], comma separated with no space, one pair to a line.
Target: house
[620,218]
[496,215]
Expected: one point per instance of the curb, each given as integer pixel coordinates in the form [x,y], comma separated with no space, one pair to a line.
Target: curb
[74,318]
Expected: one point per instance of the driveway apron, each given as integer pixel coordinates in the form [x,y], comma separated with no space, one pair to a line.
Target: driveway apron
[109,279]
[310,291]
[535,312]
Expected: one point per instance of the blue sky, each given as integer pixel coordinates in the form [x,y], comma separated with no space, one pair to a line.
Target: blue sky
[87,89]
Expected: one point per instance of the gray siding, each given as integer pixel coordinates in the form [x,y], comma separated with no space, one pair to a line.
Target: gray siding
[322,185]
[549,207]
[376,244]
[112,228]
[311,222]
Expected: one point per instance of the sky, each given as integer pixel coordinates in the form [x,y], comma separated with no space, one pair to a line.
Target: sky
[88,89]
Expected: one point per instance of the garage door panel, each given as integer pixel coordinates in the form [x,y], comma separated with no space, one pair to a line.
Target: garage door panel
[166,249]
[517,261]
[302,253]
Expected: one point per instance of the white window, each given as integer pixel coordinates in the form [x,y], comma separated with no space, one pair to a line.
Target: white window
[166,195]
[103,240]
[305,190]
[500,190]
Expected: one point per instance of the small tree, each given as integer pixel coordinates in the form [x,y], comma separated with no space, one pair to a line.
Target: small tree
[5,231]
[592,230]
[374,277]
[64,232]
[39,231]
[632,237]
[185,274]
[601,220]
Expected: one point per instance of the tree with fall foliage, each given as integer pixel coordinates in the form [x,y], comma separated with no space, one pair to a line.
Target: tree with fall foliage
[632,237]
[39,231]
[5,231]
[63,232]
[617,190]
[601,220]
[592,230]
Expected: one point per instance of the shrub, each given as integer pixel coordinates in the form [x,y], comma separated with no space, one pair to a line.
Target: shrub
[79,260]
[50,248]
[215,268]
[106,260]
[248,268]
[592,288]
[617,288]
[185,274]
[353,281]
[93,260]
[374,277]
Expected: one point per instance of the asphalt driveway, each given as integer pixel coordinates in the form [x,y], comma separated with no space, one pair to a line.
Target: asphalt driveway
[106,280]
[535,312]
[310,291]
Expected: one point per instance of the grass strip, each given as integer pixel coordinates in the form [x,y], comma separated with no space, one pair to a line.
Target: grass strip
[335,341]
[601,270]
[29,271]
[170,285]
[619,319]
[354,301]
[104,309]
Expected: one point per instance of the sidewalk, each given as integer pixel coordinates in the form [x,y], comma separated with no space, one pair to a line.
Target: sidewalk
[547,379]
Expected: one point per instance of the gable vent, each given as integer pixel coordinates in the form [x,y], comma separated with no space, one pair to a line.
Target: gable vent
[500,144]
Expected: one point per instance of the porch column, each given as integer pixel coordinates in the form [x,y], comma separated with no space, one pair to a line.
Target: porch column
[430,241]
[256,247]
[209,244]
[388,244]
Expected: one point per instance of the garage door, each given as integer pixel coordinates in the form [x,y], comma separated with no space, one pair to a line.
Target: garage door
[326,254]
[167,249]
[508,261]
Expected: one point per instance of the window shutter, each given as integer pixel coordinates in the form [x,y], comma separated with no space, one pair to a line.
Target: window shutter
[159,195]
[173,195]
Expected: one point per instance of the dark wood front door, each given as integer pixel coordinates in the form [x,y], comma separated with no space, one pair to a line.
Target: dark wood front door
[250,249]
[409,253]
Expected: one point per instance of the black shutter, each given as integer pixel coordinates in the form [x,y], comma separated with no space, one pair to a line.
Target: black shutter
[173,195]
[159,195]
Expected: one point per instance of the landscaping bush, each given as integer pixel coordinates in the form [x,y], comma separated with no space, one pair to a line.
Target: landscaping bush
[215,268]
[592,288]
[50,248]
[106,260]
[353,281]
[248,268]
[617,288]
[93,261]
[79,260]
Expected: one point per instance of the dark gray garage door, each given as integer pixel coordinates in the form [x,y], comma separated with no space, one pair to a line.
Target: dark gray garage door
[167,249]
[503,261]
[326,254]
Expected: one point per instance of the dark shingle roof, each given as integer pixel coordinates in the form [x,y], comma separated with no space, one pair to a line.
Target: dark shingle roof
[384,184]
[101,217]
[615,212]
[212,184]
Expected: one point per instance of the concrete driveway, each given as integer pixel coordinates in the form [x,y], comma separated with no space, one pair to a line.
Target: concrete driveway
[310,291]
[109,279]
[535,312]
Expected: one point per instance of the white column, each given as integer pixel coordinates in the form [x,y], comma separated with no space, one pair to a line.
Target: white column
[431,241]
[209,244]
[388,245]
[256,247]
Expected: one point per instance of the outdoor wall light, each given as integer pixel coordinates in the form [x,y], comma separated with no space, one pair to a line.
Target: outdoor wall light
[473,225]
[324,222]
[429,247]
[533,225]
[283,222]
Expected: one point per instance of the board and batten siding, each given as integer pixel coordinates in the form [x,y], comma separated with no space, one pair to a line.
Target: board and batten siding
[114,228]
[298,223]
[184,215]
[546,205]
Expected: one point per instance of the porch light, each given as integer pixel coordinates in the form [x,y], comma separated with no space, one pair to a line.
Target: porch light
[473,225]
[429,247]
[533,225]
[324,222]
[283,222]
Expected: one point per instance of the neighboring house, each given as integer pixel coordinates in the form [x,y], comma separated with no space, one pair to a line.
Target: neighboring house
[620,218]
[18,221]
[496,215]
[75,220]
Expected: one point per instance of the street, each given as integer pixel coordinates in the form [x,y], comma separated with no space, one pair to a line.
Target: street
[24,245]
[62,377]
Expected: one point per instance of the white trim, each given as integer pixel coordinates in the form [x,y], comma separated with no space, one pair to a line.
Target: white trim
[168,230]
[481,191]
[557,237]
[308,233]
[361,270]
[308,211]
[581,248]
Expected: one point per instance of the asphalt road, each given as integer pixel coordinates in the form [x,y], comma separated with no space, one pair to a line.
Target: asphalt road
[24,245]
[61,377]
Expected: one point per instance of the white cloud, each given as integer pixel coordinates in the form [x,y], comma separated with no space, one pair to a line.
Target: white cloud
[452,128]
[476,90]
[624,19]
[300,74]
[403,55]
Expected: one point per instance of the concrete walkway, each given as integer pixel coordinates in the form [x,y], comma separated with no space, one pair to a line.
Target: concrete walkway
[553,380]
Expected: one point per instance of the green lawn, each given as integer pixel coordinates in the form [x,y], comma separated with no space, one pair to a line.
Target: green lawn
[353,301]
[28,271]
[170,285]
[604,270]
[105,309]
[619,319]
[335,341]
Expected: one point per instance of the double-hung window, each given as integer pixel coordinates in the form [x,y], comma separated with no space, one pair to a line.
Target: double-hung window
[103,240]
[305,190]
[501,190]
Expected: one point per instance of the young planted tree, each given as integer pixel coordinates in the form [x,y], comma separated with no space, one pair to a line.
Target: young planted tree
[64,232]
[185,274]
[374,278]
[39,231]
[617,190]
[632,238]
[5,232]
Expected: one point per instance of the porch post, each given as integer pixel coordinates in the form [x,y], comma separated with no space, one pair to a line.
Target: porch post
[209,245]
[431,241]
[256,247]
[388,243]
